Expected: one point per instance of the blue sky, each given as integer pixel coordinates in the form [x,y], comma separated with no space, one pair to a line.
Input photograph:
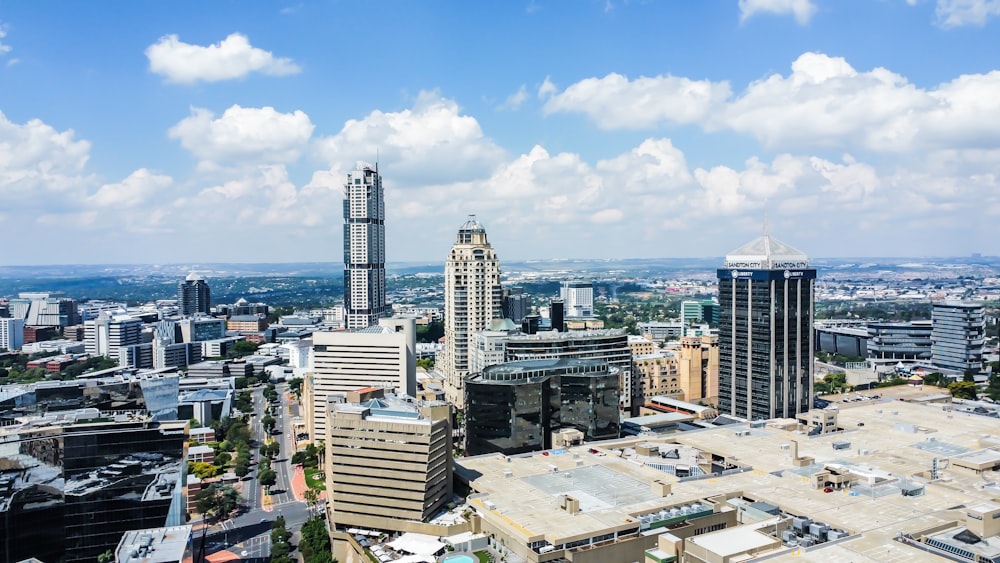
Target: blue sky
[222,131]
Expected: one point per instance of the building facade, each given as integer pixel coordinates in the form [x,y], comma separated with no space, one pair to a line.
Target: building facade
[516,406]
[388,462]
[958,336]
[382,356]
[578,298]
[893,342]
[108,335]
[83,481]
[194,296]
[765,331]
[11,334]
[364,248]
[472,298]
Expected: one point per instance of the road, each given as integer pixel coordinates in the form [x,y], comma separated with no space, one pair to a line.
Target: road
[249,534]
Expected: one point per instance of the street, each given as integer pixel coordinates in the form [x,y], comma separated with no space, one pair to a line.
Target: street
[249,534]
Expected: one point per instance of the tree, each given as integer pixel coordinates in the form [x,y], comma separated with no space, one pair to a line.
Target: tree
[268,422]
[217,500]
[201,469]
[267,478]
[242,348]
[315,543]
[425,363]
[295,385]
[993,386]
[223,459]
[106,557]
[963,390]
[241,468]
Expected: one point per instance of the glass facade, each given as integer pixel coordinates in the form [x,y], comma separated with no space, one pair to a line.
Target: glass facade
[765,342]
[958,336]
[68,493]
[514,407]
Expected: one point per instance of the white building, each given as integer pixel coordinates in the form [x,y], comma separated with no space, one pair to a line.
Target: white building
[380,356]
[299,353]
[958,335]
[579,298]
[472,298]
[364,248]
[11,334]
[106,335]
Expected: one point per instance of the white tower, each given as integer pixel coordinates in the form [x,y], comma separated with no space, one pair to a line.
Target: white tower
[472,298]
[364,248]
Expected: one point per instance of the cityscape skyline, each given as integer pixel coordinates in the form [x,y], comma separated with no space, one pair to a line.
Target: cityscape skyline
[858,128]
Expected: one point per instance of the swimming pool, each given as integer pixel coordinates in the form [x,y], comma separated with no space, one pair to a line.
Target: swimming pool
[459,558]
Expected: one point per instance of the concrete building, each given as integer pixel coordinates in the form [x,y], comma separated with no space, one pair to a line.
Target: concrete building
[194,296]
[84,479]
[958,336]
[199,329]
[894,342]
[11,334]
[156,545]
[669,498]
[578,297]
[364,248]
[388,462]
[516,407]
[44,309]
[516,305]
[246,323]
[662,330]
[107,335]
[698,368]
[765,331]
[472,298]
[382,356]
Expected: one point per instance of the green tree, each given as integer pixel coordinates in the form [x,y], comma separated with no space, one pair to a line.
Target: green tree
[993,385]
[963,390]
[223,459]
[431,332]
[268,421]
[295,385]
[242,348]
[201,469]
[267,478]
[315,544]
[217,500]
[106,557]
[425,363]
[241,468]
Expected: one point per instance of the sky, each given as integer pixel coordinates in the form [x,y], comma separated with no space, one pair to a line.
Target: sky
[174,132]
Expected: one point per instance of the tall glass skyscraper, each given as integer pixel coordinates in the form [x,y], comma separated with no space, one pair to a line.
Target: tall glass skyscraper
[364,248]
[193,295]
[765,331]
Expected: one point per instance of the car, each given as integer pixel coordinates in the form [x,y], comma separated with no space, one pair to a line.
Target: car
[828,490]
[244,553]
[262,520]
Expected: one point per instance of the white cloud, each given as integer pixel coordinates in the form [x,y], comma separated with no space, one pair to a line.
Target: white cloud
[4,48]
[803,10]
[433,142]
[257,135]
[547,88]
[134,190]
[515,100]
[233,57]
[958,13]
[617,102]
[40,166]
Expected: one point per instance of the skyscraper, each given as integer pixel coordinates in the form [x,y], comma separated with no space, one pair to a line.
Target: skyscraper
[578,297]
[472,298]
[958,336]
[194,295]
[364,248]
[765,331]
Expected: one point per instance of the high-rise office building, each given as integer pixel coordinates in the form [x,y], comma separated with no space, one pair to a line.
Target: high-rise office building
[44,309]
[958,335]
[472,298]
[108,335]
[765,331]
[579,298]
[77,481]
[516,406]
[193,295]
[11,334]
[388,462]
[364,248]
[381,356]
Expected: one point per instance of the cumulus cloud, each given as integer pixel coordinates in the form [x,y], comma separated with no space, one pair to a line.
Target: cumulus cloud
[823,102]
[617,102]
[258,135]
[803,10]
[231,58]
[431,142]
[4,48]
[958,13]
[40,165]
[134,190]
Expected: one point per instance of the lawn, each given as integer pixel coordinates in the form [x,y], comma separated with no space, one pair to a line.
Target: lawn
[314,479]
[483,556]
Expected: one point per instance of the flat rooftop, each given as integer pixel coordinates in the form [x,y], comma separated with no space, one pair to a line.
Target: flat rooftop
[886,446]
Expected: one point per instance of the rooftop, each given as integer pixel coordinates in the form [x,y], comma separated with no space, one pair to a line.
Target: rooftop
[154,545]
[766,253]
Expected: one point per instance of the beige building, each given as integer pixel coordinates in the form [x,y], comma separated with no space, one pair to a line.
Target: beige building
[472,298]
[641,345]
[379,356]
[388,463]
[690,372]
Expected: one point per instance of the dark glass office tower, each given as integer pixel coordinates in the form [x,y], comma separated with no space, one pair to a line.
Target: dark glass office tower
[514,407]
[765,331]
[71,485]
